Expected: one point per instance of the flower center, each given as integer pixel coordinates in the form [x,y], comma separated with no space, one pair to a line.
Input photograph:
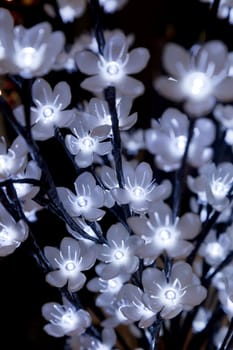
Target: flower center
[181,142]
[215,250]
[82,202]
[87,144]
[70,266]
[196,85]
[48,112]
[138,192]
[113,68]
[219,189]
[27,58]
[164,235]
[119,255]
[170,295]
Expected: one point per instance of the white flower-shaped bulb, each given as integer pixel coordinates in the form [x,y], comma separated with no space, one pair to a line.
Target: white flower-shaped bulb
[12,233]
[198,77]
[119,256]
[68,262]
[110,6]
[182,292]
[12,159]
[213,184]
[71,9]
[113,66]
[88,199]
[65,319]
[162,233]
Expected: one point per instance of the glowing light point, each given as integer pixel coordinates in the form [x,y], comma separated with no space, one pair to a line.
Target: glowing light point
[70,266]
[48,112]
[164,235]
[113,68]
[119,255]
[196,85]
[82,202]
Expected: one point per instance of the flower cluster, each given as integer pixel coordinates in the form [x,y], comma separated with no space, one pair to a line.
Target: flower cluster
[131,226]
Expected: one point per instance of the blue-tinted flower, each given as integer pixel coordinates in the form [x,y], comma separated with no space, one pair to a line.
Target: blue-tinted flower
[29,52]
[88,199]
[87,142]
[197,77]
[12,233]
[68,262]
[65,319]
[167,140]
[162,233]
[119,256]
[182,292]
[113,67]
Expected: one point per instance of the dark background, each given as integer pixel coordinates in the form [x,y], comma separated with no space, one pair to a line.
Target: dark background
[23,289]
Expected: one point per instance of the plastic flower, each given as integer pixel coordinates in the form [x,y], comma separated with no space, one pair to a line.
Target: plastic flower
[182,292]
[119,256]
[215,249]
[224,115]
[107,341]
[12,159]
[139,190]
[97,113]
[88,199]
[113,67]
[110,6]
[65,319]
[26,191]
[29,52]
[12,233]
[71,9]
[133,307]
[87,142]
[108,288]
[162,233]
[133,141]
[197,77]
[213,184]
[168,137]
[68,262]
[225,9]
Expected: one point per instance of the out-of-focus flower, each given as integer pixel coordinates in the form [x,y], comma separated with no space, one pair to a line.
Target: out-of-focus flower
[163,234]
[133,141]
[97,113]
[197,77]
[68,262]
[29,52]
[12,159]
[88,199]
[107,341]
[224,115]
[108,288]
[71,9]
[12,233]
[182,292]
[133,307]
[110,6]
[119,256]
[113,67]
[27,191]
[215,249]
[65,319]
[213,184]
[168,137]
[87,142]
[225,9]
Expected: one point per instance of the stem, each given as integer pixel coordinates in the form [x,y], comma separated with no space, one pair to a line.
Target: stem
[180,174]
[228,337]
[96,10]
[110,96]
[154,333]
